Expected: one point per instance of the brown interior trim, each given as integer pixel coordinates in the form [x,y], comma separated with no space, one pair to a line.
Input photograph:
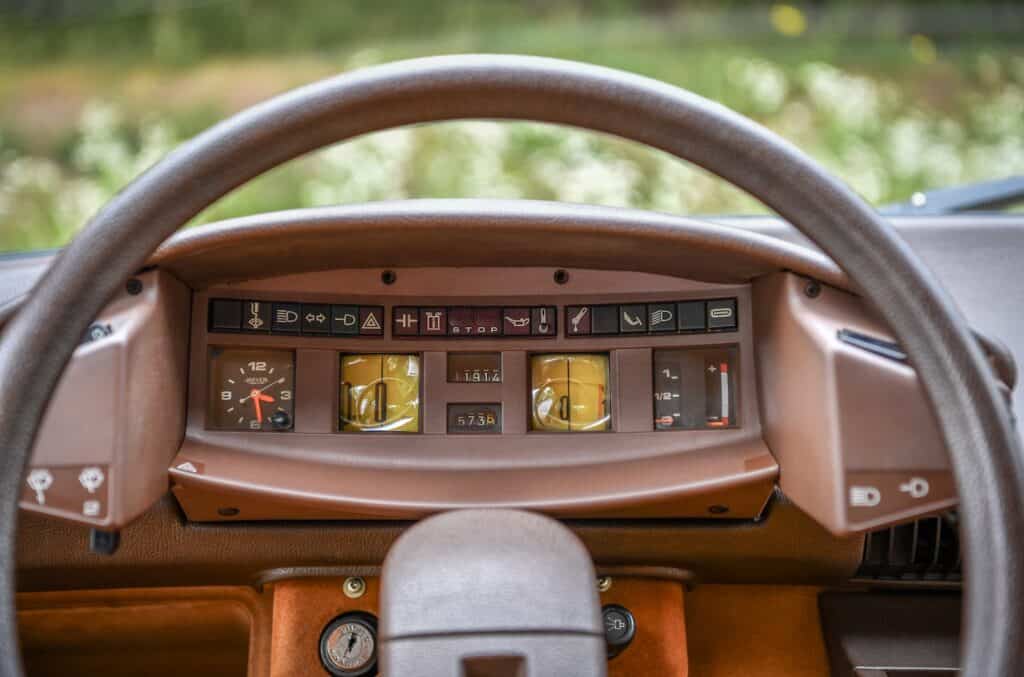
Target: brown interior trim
[769,631]
[162,548]
[132,631]
[481,233]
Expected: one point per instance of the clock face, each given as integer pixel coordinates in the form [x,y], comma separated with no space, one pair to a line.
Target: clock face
[252,390]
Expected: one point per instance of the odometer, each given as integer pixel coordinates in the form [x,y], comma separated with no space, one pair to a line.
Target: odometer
[474,367]
[251,389]
[474,418]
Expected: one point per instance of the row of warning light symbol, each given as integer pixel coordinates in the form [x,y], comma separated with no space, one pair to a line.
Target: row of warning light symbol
[474,321]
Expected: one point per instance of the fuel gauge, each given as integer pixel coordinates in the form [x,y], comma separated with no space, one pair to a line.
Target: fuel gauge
[695,388]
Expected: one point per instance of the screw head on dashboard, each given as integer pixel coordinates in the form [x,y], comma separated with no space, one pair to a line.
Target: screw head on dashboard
[354,587]
[388,277]
[813,289]
[561,276]
[604,583]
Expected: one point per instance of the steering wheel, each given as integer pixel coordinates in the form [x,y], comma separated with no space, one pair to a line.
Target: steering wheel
[978,431]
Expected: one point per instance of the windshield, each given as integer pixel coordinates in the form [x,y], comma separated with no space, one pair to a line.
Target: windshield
[894,98]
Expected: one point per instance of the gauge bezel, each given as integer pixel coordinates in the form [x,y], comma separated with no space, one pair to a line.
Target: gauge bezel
[609,384]
[367,620]
[214,386]
[420,403]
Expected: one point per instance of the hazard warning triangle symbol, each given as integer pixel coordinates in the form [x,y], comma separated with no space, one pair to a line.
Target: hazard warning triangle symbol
[371,322]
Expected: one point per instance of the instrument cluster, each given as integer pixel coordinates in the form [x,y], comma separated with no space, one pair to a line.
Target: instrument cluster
[254,389]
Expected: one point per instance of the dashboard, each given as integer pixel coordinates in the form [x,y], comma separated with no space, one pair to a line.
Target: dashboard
[494,392]
[345,382]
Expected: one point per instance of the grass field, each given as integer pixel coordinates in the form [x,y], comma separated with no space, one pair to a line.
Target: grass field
[890,113]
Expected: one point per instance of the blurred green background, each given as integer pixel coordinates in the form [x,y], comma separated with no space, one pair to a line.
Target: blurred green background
[894,97]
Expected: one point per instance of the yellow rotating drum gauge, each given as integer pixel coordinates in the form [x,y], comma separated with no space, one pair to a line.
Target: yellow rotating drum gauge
[379,393]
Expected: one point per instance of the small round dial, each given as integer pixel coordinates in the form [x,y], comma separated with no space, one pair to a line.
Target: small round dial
[252,389]
[348,646]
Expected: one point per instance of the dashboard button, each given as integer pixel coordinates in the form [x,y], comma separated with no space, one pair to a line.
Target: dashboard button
[405,322]
[316,318]
[578,320]
[691,315]
[872,496]
[460,321]
[345,320]
[285,317]
[487,322]
[633,319]
[661,317]
[606,320]
[433,321]
[225,315]
[619,628]
[256,316]
[543,321]
[722,315]
[516,321]
[371,321]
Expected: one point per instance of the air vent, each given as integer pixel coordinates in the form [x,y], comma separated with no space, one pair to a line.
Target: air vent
[925,550]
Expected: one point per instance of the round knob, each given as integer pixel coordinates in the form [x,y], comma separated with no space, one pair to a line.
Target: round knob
[619,628]
[348,645]
[280,420]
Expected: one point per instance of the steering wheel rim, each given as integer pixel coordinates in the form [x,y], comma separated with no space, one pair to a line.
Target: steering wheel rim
[983,444]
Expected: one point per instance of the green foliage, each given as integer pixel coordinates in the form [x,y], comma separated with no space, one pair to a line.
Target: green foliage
[85,108]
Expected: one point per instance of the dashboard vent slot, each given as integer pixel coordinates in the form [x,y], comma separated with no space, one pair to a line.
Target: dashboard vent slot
[924,550]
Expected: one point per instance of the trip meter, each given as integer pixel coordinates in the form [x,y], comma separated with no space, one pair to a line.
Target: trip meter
[474,367]
[251,389]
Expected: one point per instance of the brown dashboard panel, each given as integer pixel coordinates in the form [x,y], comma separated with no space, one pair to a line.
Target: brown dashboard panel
[303,607]
[317,471]
[217,630]
[843,411]
[117,416]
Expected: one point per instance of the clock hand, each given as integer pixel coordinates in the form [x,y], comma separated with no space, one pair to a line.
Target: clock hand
[256,399]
